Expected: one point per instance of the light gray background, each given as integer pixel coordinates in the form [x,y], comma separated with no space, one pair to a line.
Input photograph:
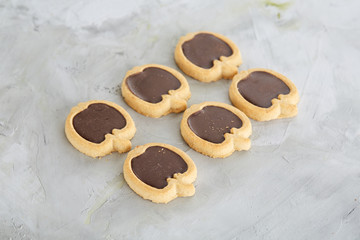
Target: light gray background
[300,179]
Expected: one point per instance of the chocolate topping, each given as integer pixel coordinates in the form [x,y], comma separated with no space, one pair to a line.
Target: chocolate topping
[204,48]
[156,165]
[211,123]
[151,83]
[96,121]
[259,88]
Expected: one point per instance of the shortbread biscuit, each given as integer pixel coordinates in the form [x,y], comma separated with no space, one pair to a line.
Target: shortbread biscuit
[216,129]
[264,94]
[207,56]
[97,128]
[160,172]
[155,90]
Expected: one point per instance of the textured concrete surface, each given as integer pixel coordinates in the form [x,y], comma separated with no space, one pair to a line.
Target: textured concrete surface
[300,180]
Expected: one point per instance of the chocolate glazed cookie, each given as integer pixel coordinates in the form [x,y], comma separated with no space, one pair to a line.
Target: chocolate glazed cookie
[263,94]
[216,129]
[160,172]
[207,56]
[204,48]
[212,122]
[97,128]
[97,120]
[155,90]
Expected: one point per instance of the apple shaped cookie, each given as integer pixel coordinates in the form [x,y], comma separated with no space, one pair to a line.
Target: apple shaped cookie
[216,129]
[263,94]
[160,172]
[155,90]
[207,56]
[97,128]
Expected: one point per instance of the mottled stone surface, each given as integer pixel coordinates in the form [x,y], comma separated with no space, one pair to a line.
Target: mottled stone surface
[300,179]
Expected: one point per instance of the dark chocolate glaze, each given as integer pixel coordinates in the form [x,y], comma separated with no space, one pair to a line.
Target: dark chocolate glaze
[212,122]
[259,88]
[151,83]
[96,121]
[204,48]
[156,165]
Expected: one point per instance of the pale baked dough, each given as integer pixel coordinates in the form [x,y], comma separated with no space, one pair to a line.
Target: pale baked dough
[226,67]
[282,107]
[237,139]
[178,186]
[175,101]
[118,141]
